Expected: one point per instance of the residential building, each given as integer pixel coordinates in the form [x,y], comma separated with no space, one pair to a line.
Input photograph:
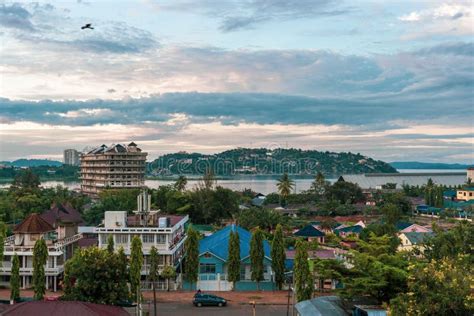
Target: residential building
[165,232]
[117,166]
[465,194]
[412,240]
[61,237]
[378,180]
[415,228]
[213,256]
[354,230]
[71,157]
[310,233]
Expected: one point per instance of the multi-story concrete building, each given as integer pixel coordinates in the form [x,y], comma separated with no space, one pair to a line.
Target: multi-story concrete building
[117,166]
[165,232]
[71,157]
[58,227]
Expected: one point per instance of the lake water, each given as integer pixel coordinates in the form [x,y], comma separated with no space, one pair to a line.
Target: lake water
[262,184]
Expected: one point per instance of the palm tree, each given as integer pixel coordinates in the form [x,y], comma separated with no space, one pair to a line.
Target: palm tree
[285,185]
[180,183]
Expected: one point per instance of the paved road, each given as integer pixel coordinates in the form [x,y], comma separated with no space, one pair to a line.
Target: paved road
[185,309]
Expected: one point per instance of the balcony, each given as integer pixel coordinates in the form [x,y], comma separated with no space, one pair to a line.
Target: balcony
[6,270]
[58,245]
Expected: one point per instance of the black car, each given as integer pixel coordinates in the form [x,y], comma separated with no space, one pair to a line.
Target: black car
[208,300]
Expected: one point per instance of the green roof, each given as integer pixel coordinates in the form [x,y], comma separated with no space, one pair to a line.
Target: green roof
[416,237]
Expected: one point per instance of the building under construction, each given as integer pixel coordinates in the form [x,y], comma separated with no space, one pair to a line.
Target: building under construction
[117,166]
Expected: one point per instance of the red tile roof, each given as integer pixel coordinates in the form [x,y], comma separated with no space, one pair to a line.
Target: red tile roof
[64,213]
[60,308]
[33,224]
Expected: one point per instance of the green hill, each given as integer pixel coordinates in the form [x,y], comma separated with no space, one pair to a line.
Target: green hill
[262,161]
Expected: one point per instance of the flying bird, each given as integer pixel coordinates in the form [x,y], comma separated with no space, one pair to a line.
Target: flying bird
[87,26]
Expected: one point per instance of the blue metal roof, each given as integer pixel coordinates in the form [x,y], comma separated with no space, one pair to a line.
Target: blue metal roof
[218,243]
[309,231]
[351,229]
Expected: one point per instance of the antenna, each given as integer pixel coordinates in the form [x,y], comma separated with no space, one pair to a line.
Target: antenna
[143,206]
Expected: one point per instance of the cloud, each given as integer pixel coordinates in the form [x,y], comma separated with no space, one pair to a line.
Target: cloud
[236,15]
[54,29]
[444,19]
[16,17]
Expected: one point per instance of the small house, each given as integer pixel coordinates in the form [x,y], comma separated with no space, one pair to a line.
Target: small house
[310,233]
[213,256]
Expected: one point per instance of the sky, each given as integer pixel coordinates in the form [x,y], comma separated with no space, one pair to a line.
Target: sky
[393,80]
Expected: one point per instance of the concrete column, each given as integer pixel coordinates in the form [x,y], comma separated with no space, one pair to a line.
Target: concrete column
[54,284]
[24,262]
[55,262]
[24,282]
[47,282]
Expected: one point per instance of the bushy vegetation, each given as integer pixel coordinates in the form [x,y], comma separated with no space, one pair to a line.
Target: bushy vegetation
[266,161]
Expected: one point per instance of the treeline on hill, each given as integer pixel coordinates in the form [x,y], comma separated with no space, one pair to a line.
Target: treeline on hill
[267,161]
[63,172]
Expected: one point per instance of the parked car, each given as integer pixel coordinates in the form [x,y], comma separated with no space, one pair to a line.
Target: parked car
[208,300]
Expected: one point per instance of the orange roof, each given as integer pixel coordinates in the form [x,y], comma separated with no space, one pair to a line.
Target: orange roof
[33,224]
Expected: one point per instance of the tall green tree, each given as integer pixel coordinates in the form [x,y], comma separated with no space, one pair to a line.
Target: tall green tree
[136,263]
[15,279]
[391,213]
[154,273]
[110,244]
[429,192]
[40,256]
[168,273]
[94,275]
[180,183]
[441,287]
[257,256]
[122,268]
[319,184]
[26,180]
[376,273]
[209,179]
[303,278]
[191,266]
[278,256]
[233,263]
[284,186]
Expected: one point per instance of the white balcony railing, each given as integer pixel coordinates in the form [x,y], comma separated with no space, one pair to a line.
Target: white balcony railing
[59,245]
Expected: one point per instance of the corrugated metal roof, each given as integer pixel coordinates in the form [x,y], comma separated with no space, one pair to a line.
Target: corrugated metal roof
[416,237]
[309,231]
[376,180]
[327,306]
[218,243]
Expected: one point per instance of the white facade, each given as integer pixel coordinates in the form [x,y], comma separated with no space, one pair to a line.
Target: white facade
[59,251]
[169,241]
[71,157]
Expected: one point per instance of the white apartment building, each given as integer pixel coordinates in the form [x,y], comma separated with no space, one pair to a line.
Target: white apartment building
[71,157]
[61,239]
[167,233]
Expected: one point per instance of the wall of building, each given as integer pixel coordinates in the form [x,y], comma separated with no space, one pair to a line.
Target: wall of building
[465,195]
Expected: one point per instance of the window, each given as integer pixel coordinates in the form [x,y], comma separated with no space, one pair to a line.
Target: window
[161,260]
[121,239]
[103,238]
[148,239]
[207,268]
[242,271]
[161,239]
